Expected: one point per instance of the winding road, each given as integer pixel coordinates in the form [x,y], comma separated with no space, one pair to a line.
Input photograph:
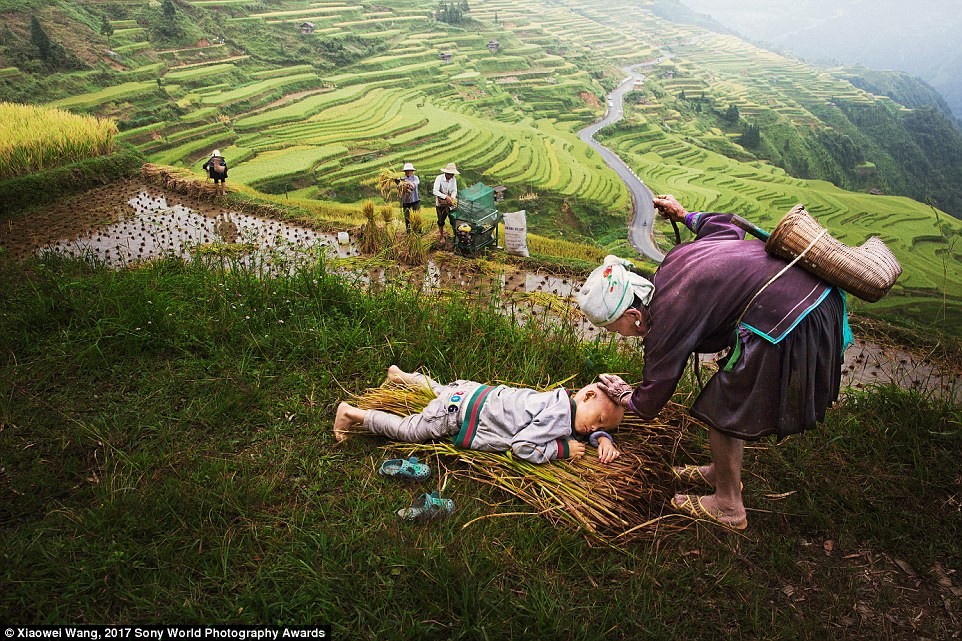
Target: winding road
[641,226]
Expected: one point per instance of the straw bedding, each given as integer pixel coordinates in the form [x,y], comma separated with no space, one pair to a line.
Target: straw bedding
[613,503]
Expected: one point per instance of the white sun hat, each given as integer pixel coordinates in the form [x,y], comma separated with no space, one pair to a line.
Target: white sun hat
[408,167]
[216,152]
[451,169]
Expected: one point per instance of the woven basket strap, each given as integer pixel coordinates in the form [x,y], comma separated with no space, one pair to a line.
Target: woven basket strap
[737,350]
[778,275]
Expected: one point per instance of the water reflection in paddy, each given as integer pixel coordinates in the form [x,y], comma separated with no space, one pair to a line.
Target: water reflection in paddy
[128,222]
[153,228]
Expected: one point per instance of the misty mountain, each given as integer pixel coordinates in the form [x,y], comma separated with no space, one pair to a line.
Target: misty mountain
[920,38]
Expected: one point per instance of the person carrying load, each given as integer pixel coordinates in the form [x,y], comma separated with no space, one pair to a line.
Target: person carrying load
[216,168]
[445,195]
[785,327]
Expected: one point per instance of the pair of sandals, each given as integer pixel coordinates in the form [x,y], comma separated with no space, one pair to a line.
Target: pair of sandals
[425,507]
[692,505]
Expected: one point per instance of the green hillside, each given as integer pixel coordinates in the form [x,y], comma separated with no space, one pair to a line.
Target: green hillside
[316,97]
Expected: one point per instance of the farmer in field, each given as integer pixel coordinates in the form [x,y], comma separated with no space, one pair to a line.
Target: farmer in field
[216,168]
[784,330]
[445,195]
[410,199]
[536,426]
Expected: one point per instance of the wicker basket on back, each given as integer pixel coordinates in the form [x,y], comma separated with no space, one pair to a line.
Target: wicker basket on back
[868,271]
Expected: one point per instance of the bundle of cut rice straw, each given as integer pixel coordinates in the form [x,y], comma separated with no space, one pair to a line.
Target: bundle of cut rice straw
[390,186]
[613,503]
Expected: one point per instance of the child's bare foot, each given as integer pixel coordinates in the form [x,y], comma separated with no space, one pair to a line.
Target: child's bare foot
[397,375]
[343,421]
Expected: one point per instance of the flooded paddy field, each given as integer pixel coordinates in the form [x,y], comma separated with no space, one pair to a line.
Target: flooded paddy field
[130,222]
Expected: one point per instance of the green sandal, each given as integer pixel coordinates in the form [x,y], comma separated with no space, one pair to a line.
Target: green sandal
[427,507]
[405,468]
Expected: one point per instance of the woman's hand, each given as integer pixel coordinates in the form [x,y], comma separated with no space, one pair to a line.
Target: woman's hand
[670,208]
[607,452]
[616,388]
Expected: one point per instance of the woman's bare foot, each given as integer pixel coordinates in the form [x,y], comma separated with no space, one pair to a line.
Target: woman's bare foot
[701,475]
[711,507]
[347,417]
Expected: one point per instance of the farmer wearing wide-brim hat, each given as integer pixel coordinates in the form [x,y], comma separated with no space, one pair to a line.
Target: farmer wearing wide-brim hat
[216,168]
[445,195]
[784,326]
[410,199]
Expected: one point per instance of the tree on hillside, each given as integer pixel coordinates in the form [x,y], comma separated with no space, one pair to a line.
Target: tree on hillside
[51,53]
[39,38]
[732,115]
[751,137]
[106,29]
[168,24]
[452,13]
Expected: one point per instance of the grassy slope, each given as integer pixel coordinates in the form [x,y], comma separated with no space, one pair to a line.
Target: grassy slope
[168,457]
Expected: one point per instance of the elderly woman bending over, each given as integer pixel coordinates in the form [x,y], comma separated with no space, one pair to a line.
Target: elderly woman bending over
[783,329]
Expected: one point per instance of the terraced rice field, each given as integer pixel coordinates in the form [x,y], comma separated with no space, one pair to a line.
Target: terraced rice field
[705,181]
[509,116]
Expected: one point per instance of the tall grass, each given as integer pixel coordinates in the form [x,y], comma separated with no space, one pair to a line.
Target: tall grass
[37,138]
[168,456]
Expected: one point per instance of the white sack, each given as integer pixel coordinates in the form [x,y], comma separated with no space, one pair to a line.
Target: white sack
[516,233]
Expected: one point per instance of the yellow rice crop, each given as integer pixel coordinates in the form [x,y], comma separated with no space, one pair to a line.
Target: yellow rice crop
[564,249]
[37,138]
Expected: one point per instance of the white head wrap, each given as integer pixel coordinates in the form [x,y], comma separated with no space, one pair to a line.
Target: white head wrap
[610,290]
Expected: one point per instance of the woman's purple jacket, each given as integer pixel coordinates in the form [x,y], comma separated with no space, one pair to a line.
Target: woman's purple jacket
[701,290]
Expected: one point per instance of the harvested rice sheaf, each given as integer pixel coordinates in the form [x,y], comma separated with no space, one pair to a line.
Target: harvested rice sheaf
[390,185]
[614,503]
[372,238]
